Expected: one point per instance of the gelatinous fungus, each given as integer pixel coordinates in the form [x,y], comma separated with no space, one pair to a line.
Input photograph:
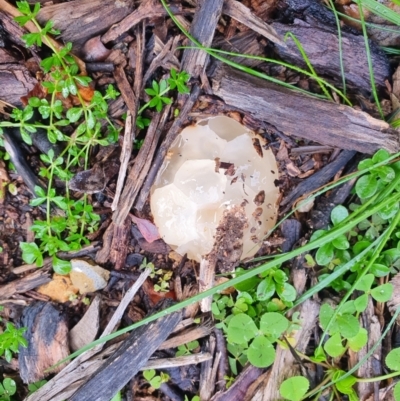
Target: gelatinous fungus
[212,167]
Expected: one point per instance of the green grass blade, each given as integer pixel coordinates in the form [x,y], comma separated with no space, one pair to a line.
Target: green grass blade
[382,11]
[339,31]
[370,66]
[308,63]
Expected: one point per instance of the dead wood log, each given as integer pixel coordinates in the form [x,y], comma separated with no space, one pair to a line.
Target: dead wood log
[202,29]
[285,364]
[303,116]
[322,48]
[27,283]
[127,360]
[47,337]
[79,21]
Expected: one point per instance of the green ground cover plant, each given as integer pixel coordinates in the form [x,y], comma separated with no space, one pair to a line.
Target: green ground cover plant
[11,338]
[67,219]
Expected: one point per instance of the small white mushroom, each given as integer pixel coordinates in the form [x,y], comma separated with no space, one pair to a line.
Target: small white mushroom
[211,167]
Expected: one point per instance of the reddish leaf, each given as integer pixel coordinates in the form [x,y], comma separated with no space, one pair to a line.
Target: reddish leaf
[146,228]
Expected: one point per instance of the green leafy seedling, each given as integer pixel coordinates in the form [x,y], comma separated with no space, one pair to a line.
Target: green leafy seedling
[10,340]
[187,349]
[155,380]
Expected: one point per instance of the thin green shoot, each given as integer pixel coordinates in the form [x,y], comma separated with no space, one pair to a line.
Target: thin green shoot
[308,63]
[339,31]
[370,66]
[391,50]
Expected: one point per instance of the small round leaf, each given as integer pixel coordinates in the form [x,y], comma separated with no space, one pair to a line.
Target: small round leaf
[393,359]
[366,186]
[341,242]
[333,346]
[357,342]
[338,214]
[396,391]
[383,292]
[294,388]
[273,324]
[325,254]
[348,325]
[10,386]
[261,353]
[241,329]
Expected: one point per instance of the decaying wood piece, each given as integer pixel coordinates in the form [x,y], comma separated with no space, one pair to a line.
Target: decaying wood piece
[202,29]
[79,21]
[85,331]
[176,361]
[127,94]
[291,231]
[24,284]
[15,82]
[285,364]
[189,335]
[127,360]
[243,43]
[241,13]
[16,156]
[208,372]
[69,379]
[239,389]
[322,48]
[147,9]
[119,244]
[223,367]
[125,156]
[372,367]
[319,178]
[47,337]
[142,163]
[303,116]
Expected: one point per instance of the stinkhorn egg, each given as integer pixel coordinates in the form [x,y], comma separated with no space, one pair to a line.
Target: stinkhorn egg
[211,167]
